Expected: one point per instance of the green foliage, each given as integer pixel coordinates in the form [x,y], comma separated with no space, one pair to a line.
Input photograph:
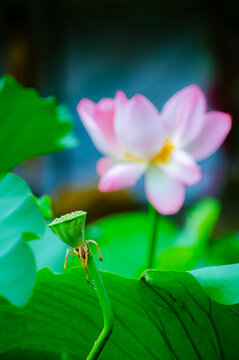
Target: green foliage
[165,315]
[20,220]
[49,251]
[30,125]
[123,240]
[221,283]
[222,250]
[192,241]
[44,203]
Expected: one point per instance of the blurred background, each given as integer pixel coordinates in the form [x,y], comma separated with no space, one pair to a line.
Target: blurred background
[74,49]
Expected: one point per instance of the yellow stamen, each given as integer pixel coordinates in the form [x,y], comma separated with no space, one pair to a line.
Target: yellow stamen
[129,157]
[164,154]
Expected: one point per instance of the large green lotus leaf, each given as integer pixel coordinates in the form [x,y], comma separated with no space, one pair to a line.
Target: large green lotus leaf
[165,315]
[20,220]
[21,354]
[30,125]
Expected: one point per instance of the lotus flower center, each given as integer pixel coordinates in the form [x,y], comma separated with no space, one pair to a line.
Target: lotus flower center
[164,155]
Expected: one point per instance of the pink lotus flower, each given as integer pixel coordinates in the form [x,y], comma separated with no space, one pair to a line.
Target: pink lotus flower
[137,139]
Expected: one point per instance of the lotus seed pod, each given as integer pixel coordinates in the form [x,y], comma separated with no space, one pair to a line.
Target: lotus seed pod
[70,228]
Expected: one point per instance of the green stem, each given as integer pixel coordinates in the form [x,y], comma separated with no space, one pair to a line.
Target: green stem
[98,285]
[152,237]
